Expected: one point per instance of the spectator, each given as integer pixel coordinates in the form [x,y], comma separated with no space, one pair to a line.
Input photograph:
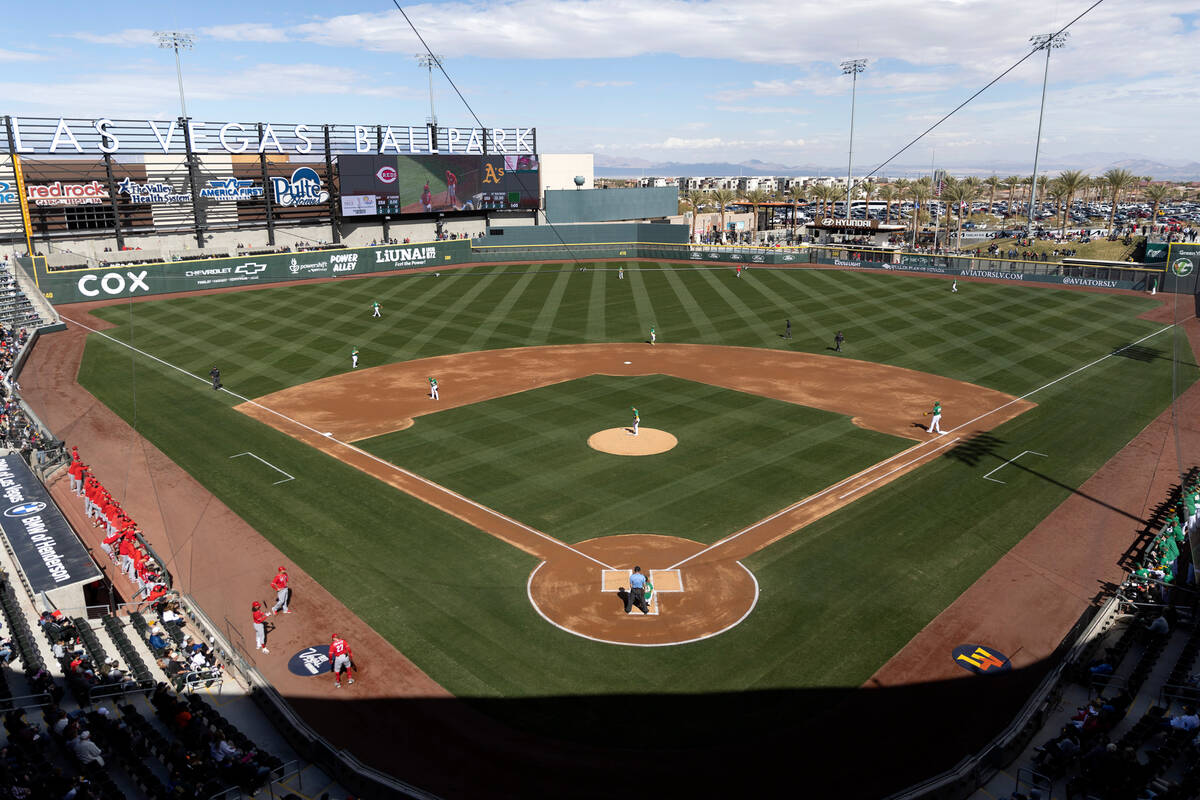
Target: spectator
[86,750]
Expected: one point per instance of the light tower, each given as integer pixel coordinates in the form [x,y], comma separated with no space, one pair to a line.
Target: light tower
[1047,42]
[429,61]
[851,68]
[175,40]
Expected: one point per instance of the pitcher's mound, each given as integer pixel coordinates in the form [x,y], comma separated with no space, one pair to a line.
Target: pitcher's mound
[621,442]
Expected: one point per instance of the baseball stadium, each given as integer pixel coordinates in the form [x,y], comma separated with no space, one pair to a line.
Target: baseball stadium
[588,499]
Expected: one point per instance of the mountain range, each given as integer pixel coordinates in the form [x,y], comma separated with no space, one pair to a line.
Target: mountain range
[1091,163]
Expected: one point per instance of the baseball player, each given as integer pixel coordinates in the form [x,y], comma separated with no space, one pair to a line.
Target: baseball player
[342,658]
[954,286]
[427,198]
[838,338]
[452,188]
[354,358]
[376,307]
[738,271]
[260,626]
[280,584]
[637,420]
[215,374]
[653,337]
[620,273]
[936,415]
[433,392]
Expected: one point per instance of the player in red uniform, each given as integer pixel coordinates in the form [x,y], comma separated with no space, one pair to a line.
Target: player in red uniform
[280,584]
[452,188]
[342,658]
[260,626]
[427,198]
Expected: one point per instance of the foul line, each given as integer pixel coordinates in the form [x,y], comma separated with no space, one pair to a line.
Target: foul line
[897,469]
[269,464]
[918,446]
[361,452]
[1009,461]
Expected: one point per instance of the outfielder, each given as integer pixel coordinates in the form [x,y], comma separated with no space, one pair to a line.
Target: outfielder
[653,336]
[433,393]
[936,414]
[637,420]
[342,658]
[354,358]
[954,286]
[376,308]
[620,273]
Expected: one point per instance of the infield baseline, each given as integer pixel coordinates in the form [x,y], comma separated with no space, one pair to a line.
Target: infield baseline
[269,464]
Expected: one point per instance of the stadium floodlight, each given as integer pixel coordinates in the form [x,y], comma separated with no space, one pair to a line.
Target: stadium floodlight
[1047,42]
[429,61]
[851,68]
[175,40]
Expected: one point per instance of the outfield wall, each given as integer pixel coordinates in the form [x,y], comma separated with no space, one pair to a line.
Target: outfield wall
[118,281]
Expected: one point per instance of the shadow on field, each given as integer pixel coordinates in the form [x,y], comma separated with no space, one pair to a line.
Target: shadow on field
[984,448]
[1137,352]
[820,742]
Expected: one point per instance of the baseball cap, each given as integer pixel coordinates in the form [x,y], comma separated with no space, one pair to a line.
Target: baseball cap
[256,604]
[335,636]
[283,569]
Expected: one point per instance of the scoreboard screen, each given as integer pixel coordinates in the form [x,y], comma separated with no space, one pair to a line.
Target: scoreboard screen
[403,185]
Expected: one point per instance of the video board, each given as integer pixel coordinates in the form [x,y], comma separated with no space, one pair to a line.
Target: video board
[372,185]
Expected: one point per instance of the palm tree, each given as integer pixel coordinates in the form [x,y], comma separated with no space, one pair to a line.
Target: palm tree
[722,197]
[960,194]
[820,193]
[887,193]
[695,200]
[920,194]
[1055,190]
[993,183]
[1071,181]
[1156,193]
[796,193]
[867,189]
[755,197]
[1117,180]
[1012,182]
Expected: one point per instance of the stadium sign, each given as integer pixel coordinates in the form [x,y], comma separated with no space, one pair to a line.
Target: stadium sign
[152,192]
[7,194]
[66,194]
[1182,267]
[46,548]
[311,661]
[42,135]
[230,189]
[302,189]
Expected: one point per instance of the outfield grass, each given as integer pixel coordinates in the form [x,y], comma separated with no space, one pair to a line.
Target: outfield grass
[876,571]
[740,457]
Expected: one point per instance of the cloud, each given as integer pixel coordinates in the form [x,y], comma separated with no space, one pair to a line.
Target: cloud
[16,55]
[672,143]
[246,32]
[130,37]
[601,84]
[763,110]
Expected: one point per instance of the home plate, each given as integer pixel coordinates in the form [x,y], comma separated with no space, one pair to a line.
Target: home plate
[327,433]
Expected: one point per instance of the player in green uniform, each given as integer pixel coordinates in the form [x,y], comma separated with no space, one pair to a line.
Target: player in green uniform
[652,337]
[637,420]
[376,308]
[936,414]
[433,392]
[354,358]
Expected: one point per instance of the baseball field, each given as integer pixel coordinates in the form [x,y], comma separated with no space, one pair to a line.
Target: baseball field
[801,529]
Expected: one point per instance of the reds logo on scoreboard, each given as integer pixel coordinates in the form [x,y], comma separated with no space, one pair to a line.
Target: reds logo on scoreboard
[386,174]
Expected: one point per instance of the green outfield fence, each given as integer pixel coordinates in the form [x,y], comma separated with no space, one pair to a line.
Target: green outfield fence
[85,283]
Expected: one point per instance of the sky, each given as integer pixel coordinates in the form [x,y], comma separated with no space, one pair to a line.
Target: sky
[657,80]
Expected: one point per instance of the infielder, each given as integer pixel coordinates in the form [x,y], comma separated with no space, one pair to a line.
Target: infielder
[260,626]
[376,307]
[653,336]
[637,420]
[433,393]
[354,358]
[280,584]
[936,414]
[342,658]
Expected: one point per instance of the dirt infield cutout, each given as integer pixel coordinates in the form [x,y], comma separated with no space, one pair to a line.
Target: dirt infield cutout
[565,589]
[622,442]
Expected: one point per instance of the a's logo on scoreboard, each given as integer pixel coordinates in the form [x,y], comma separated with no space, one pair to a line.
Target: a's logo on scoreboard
[1182,267]
[386,174]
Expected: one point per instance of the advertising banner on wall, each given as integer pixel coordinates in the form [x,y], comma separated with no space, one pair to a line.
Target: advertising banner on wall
[46,547]
[73,286]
